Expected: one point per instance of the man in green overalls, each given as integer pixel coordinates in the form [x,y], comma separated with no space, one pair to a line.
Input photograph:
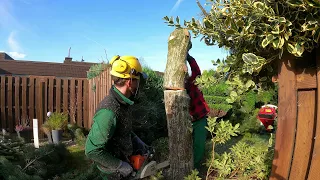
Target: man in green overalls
[111,142]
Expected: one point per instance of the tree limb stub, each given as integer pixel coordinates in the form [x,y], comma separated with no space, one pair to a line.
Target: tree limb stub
[176,59]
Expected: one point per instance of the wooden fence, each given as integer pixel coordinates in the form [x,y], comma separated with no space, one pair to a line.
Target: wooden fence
[28,97]
[297,148]
[98,89]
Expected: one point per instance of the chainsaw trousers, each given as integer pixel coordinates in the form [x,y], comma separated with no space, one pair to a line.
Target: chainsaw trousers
[199,140]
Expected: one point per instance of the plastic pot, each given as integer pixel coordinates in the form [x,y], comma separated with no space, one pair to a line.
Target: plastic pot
[56,136]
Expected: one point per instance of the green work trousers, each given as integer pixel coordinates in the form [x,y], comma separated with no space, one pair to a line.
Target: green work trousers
[199,140]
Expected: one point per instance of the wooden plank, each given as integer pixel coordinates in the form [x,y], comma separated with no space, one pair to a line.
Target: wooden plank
[40,85]
[79,104]
[24,99]
[58,95]
[50,94]
[10,105]
[315,161]
[85,104]
[307,80]
[46,95]
[73,100]
[287,118]
[304,135]
[3,102]
[31,100]
[17,99]
[65,95]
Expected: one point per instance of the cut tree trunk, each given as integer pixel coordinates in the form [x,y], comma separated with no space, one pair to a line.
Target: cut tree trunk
[174,74]
[177,106]
[179,132]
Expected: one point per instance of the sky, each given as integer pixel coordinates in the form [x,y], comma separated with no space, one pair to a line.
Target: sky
[44,30]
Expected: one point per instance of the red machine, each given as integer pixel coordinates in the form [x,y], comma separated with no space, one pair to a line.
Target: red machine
[267,115]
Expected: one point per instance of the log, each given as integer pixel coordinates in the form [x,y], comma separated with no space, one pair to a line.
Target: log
[174,74]
[177,106]
[179,133]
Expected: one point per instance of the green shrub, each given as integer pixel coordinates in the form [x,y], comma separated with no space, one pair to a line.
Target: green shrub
[96,70]
[47,161]
[57,121]
[10,171]
[246,110]
[250,158]
[149,110]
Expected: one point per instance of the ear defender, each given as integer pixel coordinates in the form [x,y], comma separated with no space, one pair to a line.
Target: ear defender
[118,65]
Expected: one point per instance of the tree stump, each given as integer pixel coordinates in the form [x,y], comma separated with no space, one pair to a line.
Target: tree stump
[177,107]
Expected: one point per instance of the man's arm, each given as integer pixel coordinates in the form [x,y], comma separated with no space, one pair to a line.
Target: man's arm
[101,131]
[195,70]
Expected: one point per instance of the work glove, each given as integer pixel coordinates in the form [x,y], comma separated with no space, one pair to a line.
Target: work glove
[124,169]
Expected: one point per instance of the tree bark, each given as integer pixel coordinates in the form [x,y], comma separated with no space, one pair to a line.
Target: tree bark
[179,132]
[174,74]
[177,106]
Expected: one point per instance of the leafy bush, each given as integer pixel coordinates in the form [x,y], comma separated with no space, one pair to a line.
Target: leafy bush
[57,121]
[246,110]
[149,110]
[250,158]
[43,163]
[47,161]
[96,70]
[257,34]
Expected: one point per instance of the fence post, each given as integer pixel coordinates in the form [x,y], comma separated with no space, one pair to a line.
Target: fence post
[35,133]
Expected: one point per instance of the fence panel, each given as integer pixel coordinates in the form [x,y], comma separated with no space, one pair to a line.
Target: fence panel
[98,89]
[28,97]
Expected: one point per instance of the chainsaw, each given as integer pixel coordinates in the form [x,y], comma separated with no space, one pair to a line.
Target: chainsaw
[144,165]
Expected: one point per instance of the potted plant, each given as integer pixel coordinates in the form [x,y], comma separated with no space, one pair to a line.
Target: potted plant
[24,130]
[47,130]
[56,122]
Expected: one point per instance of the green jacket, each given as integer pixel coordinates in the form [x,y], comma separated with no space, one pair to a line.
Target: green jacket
[101,145]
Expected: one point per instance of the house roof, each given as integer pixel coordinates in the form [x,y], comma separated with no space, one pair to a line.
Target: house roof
[36,68]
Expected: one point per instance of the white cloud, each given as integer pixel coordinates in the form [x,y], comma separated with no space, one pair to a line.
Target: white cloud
[16,55]
[176,6]
[14,46]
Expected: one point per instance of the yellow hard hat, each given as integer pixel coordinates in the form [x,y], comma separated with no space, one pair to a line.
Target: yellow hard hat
[126,67]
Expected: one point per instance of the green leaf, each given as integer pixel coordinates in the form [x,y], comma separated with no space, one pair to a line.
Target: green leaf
[313,3]
[291,48]
[270,37]
[230,31]
[178,20]
[276,30]
[269,68]
[263,79]
[166,18]
[299,49]
[282,19]
[316,35]
[286,36]
[281,42]
[295,3]
[240,23]
[249,84]
[249,58]
[226,69]
[265,42]
[276,43]
[233,94]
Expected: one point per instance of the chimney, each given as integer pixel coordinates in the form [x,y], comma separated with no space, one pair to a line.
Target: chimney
[5,56]
[67,60]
